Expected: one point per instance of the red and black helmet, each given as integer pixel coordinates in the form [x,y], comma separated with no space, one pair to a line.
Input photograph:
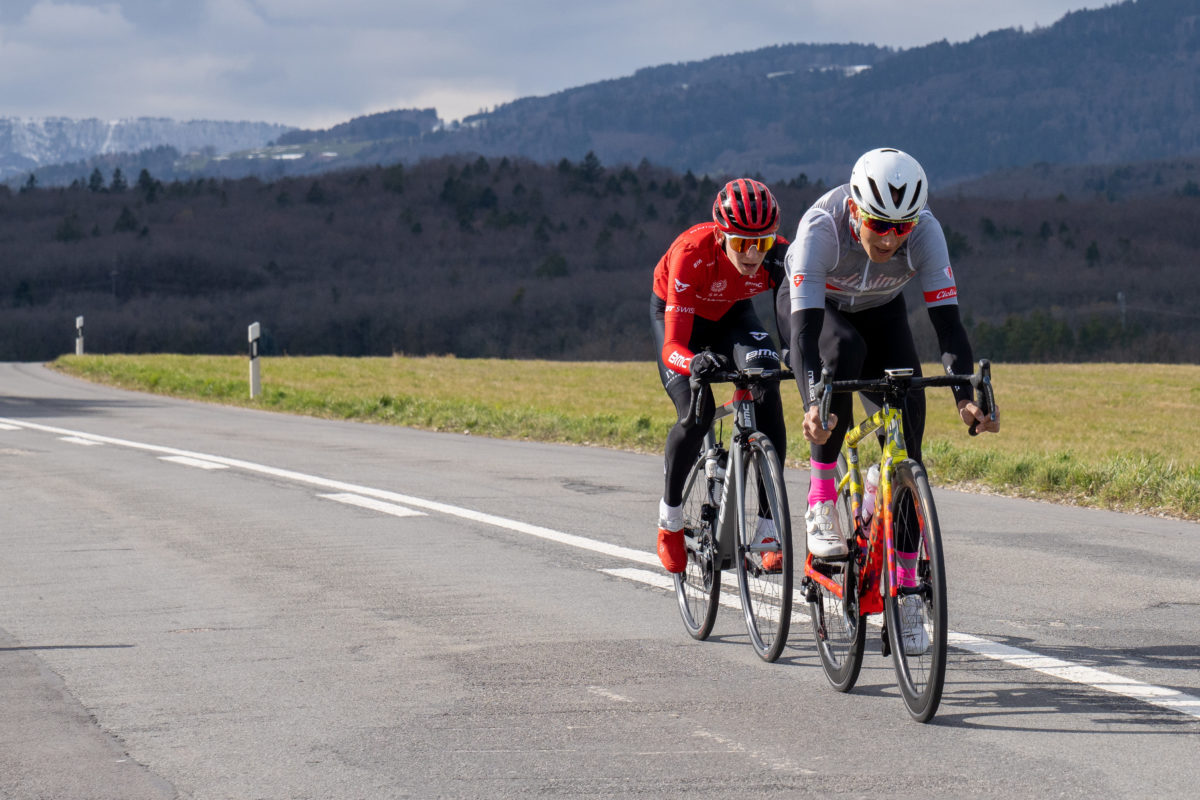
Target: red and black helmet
[746,207]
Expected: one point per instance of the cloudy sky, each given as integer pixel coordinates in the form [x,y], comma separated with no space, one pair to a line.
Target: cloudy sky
[314,63]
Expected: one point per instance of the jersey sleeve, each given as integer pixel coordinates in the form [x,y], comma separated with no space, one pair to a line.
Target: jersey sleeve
[680,313]
[930,258]
[810,257]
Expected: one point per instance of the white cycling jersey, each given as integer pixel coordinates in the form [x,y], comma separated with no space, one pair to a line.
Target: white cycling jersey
[826,258]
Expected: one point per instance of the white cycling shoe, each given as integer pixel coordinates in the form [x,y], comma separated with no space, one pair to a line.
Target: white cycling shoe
[824,538]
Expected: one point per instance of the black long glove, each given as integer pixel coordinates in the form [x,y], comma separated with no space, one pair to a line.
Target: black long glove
[706,364]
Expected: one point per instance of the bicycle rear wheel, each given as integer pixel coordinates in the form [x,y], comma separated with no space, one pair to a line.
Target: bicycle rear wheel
[838,627]
[764,567]
[698,587]
[916,616]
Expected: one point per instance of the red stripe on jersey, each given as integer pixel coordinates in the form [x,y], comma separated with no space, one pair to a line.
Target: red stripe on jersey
[941,294]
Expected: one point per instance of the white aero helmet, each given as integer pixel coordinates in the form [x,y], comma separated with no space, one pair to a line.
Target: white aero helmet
[889,183]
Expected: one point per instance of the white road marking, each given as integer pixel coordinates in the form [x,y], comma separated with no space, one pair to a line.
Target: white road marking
[7,427]
[729,596]
[1171,699]
[1159,696]
[374,505]
[188,461]
[83,440]
[600,691]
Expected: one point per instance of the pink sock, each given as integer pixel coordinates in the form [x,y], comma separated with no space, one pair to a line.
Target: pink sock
[821,485]
[906,569]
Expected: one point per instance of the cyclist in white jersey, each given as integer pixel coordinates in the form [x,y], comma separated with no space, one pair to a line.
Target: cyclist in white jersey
[853,253]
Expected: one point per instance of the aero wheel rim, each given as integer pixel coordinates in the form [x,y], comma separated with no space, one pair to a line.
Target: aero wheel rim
[764,557]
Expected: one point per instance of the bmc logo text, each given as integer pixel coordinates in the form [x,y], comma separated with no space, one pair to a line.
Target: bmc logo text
[677,360]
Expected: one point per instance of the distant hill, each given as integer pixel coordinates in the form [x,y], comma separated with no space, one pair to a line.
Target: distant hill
[29,144]
[1110,181]
[401,124]
[1116,85]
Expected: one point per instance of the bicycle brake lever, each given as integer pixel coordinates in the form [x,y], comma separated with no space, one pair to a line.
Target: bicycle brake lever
[825,396]
[982,380]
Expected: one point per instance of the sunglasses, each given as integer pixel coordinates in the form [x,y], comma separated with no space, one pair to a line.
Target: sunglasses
[740,244]
[883,226]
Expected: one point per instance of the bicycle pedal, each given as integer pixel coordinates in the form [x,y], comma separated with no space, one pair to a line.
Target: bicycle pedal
[885,649]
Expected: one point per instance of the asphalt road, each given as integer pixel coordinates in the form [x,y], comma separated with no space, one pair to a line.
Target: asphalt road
[208,602]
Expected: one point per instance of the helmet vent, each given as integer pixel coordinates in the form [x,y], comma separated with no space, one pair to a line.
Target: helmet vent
[916,197]
[875,191]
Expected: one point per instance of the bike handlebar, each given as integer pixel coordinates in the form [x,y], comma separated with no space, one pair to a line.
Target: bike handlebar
[742,378]
[896,382]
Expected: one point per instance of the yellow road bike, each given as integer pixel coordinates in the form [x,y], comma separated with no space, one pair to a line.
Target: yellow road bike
[895,564]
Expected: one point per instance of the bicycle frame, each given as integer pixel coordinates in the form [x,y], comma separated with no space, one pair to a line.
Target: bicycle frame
[741,408]
[880,542]
[725,531]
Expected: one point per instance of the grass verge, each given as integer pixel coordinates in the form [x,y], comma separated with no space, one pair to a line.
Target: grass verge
[1118,436]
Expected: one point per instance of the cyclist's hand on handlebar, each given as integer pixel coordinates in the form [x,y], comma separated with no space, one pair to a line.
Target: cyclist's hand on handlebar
[813,431]
[706,364]
[972,414]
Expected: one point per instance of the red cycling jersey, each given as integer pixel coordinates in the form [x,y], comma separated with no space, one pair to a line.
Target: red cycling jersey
[696,277]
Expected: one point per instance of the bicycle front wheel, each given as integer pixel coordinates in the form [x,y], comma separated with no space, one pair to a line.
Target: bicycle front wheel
[839,629]
[916,615]
[764,553]
[698,587]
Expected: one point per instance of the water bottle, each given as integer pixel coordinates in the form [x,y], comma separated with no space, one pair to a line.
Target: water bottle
[713,468]
[871,493]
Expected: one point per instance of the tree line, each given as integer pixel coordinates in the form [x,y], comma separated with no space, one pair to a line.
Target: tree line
[507,257]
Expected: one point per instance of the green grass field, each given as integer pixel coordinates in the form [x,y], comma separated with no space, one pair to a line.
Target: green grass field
[1120,436]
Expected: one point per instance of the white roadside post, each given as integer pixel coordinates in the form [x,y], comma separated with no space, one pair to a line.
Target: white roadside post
[255,381]
[79,336]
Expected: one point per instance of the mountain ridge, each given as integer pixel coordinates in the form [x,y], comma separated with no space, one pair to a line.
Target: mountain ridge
[1113,85]
[27,143]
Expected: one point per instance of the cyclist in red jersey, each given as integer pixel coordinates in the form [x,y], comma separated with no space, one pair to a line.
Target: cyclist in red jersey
[704,321]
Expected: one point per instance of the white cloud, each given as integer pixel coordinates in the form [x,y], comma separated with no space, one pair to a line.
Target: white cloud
[237,16]
[315,62]
[69,24]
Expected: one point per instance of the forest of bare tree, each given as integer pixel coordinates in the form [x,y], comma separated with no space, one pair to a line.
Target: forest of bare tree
[507,257]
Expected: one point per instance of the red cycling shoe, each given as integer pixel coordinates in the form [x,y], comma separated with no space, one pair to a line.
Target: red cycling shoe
[671,550]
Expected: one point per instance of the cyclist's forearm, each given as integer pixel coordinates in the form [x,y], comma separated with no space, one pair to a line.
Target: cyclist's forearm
[954,345]
[806,351]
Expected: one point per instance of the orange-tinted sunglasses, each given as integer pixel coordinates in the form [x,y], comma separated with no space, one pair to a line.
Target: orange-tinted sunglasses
[740,244]
[884,226]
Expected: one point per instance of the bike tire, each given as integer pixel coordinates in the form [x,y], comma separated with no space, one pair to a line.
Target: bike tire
[839,629]
[920,674]
[764,573]
[698,587]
